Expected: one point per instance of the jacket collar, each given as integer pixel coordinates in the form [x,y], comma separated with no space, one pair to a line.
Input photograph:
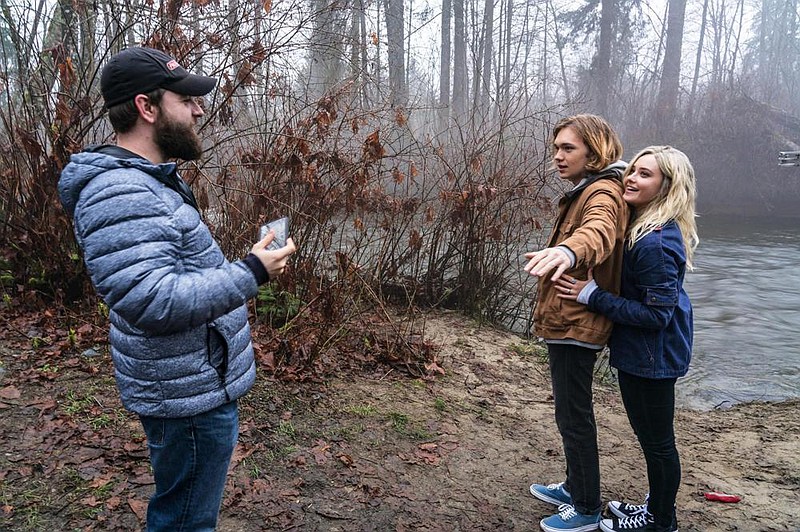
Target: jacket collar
[171,178]
[612,171]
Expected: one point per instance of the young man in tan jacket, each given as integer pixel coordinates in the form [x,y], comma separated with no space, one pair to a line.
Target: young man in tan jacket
[588,234]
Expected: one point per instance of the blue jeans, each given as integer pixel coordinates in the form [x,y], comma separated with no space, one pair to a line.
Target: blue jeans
[571,370]
[650,405]
[190,458]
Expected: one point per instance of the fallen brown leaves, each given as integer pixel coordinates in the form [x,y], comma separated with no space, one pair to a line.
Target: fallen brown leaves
[72,454]
[75,459]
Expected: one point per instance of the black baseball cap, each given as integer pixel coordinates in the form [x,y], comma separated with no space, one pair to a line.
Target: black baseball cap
[139,70]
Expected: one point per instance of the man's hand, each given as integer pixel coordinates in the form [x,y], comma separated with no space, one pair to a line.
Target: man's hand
[543,261]
[274,260]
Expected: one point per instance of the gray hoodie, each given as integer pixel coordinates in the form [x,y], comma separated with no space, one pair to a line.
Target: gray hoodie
[180,338]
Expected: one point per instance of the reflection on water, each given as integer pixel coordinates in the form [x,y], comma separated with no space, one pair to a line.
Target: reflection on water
[745,290]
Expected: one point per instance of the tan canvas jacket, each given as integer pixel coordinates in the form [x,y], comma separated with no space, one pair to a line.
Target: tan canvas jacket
[591,222]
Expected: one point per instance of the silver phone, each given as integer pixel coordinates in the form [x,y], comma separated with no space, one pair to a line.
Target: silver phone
[281,228]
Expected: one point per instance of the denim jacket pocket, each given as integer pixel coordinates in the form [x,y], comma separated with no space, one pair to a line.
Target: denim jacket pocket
[661,297]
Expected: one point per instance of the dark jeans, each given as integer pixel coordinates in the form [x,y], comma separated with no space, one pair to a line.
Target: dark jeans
[571,370]
[190,458]
[650,404]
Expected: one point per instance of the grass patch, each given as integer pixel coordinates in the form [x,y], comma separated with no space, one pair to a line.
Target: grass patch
[402,424]
[399,421]
[287,430]
[532,349]
[439,404]
[362,410]
[86,407]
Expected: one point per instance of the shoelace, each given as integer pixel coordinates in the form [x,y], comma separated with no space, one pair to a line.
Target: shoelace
[635,509]
[635,521]
[555,487]
[566,512]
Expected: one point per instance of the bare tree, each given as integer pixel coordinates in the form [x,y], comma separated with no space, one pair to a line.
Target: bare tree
[667,103]
[398,90]
[602,60]
[699,54]
[504,73]
[358,50]
[327,39]
[459,61]
[559,41]
[445,61]
[483,75]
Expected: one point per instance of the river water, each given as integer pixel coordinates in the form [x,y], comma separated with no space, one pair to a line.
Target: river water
[745,290]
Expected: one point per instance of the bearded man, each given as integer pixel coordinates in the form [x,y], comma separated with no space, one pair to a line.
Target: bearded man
[180,337]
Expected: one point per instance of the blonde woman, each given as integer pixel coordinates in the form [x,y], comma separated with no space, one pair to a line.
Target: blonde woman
[651,344]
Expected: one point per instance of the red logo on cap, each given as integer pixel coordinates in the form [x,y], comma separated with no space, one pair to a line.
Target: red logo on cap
[172,65]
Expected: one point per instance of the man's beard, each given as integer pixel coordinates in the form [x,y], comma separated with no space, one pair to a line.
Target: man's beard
[176,140]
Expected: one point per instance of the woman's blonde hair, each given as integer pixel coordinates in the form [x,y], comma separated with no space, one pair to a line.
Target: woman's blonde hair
[674,201]
[598,135]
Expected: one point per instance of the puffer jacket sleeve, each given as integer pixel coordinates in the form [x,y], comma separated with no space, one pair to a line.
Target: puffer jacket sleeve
[656,287]
[153,261]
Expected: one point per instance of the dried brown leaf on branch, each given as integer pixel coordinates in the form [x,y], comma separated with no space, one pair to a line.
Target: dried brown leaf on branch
[29,142]
[400,117]
[373,150]
[244,75]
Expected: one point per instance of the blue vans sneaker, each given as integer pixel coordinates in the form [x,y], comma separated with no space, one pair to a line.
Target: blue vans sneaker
[552,493]
[568,520]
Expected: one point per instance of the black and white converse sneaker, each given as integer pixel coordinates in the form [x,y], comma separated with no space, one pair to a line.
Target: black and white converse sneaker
[623,509]
[641,522]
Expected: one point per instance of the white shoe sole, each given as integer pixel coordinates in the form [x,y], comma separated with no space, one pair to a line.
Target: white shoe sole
[609,527]
[584,528]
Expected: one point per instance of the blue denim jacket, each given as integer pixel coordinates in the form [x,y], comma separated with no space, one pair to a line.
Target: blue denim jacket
[652,335]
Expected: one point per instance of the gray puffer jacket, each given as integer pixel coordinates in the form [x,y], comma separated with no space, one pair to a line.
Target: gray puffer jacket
[180,338]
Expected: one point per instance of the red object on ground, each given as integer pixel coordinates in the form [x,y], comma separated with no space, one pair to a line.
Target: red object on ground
[722,497]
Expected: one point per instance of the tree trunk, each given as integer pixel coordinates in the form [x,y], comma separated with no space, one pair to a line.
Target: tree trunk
[326,49]
[507,55]
[736,45]
[763,54]
[670,76]
[602,67]
[356,46]
[488,54]
[395,51]
[444,67]
[699,56]
[459,62]
[560,47]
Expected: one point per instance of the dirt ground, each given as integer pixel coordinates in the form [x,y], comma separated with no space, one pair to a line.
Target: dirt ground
[382,452]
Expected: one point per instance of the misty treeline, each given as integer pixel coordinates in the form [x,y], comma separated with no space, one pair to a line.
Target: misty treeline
[406,139]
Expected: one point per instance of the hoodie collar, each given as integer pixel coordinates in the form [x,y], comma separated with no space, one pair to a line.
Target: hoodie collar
[612,171]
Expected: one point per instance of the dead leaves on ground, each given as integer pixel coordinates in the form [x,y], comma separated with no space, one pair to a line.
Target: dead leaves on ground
[87,465]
